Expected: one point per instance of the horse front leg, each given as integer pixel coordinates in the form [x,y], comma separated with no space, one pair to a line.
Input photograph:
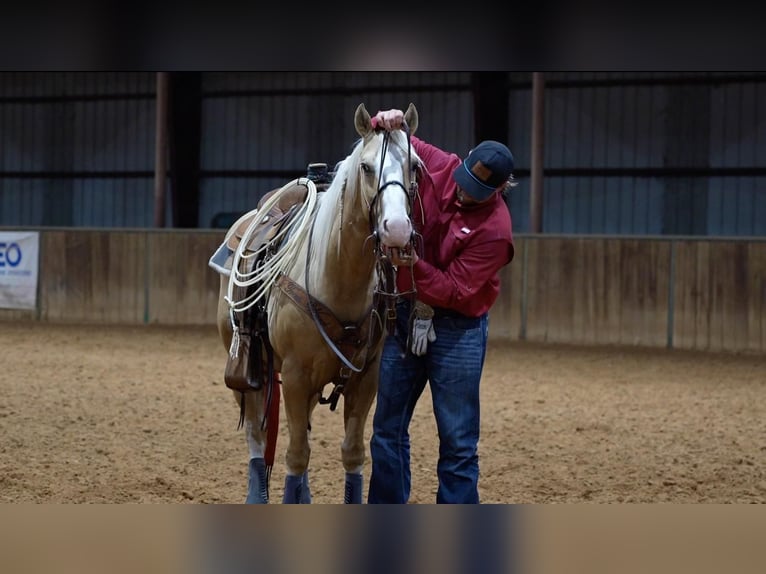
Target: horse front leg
[357,402]
[257,485]
[299,402]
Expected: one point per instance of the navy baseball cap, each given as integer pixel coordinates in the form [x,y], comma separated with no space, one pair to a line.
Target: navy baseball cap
[486,168]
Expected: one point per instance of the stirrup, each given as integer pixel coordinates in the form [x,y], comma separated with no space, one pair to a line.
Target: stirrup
[332,400]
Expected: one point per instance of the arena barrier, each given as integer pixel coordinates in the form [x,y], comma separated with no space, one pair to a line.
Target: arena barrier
[680,292]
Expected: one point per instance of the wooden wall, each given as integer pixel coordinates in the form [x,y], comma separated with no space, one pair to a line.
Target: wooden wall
[132,277]
[593,291]
[702,294]
[720,296]
[688,293]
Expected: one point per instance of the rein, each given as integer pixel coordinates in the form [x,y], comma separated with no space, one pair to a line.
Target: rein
[312,309]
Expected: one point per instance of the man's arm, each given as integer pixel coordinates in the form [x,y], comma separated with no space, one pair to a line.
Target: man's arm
[456,287]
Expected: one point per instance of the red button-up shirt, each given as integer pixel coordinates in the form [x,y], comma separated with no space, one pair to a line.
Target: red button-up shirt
[464,247]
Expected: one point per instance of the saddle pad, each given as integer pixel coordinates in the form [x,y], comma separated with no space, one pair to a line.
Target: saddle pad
[219,259]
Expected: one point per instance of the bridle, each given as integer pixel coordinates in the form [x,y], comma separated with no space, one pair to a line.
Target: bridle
[410,193]
[385,293]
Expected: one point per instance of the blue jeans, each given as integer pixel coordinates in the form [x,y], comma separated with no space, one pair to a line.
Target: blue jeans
[452,366]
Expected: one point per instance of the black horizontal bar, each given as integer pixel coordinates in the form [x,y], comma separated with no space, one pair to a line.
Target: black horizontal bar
[658,172]
[125,96]
[232,173]
[76,174]
[254,173]
[655,172]
[701,79]
[332,91]
[222,94]
[552,172]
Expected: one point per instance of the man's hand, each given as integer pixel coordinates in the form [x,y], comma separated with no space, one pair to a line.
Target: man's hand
[402,258]
[389,120]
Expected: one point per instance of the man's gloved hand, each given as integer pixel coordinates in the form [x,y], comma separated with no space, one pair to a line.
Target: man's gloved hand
[422,329]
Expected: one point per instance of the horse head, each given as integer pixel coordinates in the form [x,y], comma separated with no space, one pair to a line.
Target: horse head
[388,166]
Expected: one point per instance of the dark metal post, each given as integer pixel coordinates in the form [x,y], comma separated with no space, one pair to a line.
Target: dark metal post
[161,149]
[536,168]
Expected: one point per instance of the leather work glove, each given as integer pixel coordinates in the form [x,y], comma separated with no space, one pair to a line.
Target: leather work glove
[422,329]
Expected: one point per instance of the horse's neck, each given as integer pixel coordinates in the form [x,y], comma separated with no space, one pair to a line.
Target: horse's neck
[342,268]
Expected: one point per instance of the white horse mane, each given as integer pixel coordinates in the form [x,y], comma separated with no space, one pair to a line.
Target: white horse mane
[331,202]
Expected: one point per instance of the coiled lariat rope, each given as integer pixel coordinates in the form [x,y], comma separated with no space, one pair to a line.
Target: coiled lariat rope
[269,262]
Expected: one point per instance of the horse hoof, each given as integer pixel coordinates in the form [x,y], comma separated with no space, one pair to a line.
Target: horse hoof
[353,493]
[257,486]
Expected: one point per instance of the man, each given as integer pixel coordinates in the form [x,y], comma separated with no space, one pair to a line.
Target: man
[467,239]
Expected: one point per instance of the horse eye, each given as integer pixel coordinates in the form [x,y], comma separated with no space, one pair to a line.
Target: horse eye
[365,168]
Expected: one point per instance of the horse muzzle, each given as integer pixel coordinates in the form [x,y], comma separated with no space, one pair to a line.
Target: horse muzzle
[395,232]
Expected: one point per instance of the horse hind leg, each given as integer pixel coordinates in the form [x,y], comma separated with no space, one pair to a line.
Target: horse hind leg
[258,482]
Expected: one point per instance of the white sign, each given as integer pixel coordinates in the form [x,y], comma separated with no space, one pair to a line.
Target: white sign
[19,252]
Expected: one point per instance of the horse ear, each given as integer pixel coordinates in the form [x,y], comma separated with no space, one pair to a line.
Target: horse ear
[411,117]
[362,121]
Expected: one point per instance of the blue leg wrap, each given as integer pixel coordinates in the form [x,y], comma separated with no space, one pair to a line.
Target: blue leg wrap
[305,490]
[353,492]
[257,486]
[297,489]
[293,489]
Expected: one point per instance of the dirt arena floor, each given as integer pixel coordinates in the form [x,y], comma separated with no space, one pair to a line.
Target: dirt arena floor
[93,414]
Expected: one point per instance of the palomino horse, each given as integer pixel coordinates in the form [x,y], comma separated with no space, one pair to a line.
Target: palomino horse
[320,291]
